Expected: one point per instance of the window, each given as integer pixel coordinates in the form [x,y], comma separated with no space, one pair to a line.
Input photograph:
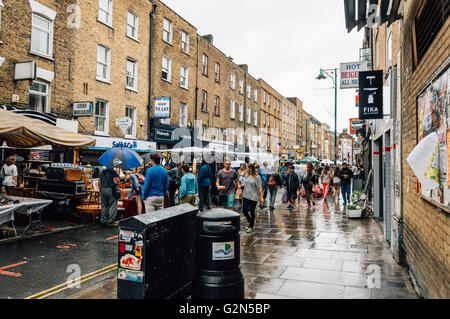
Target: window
[105,11]
[264,118]
[216,133]
[232,109]
[185,42]
[268,98]
[166,69]
[103,63]
[204,101]
[268,120]
[241,112]
[131,74]
[39,97]
[183,115]
[256,95]
[249,115]
[233,81]
[255,118]
[241,86]
[131,113]
[216,106]
[264,93]
[184,77]
[249,91]
[217,71]
[132,25]
[101,117]
[203,131]
[389,47]
[167,31]
[205,65]
[41,35]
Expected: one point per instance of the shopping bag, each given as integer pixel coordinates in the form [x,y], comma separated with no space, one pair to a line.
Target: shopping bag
[284,199]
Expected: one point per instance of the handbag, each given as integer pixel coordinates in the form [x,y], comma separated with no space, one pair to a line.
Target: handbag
[116,191]
[284,199]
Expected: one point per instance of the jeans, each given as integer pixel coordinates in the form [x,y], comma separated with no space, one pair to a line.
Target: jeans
[154,203]
[326,189]
[204,198]
[248,209]
[265,188]
[345,190]
[109,206]
[273,195]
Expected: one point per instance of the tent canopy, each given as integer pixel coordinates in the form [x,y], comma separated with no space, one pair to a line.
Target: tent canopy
[309,159]
[21,131]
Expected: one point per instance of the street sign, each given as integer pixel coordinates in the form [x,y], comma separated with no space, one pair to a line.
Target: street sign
[82,109]
[162,107]
[371,95]
[350,74]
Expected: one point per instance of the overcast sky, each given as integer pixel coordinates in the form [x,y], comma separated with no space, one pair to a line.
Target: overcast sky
[284,42]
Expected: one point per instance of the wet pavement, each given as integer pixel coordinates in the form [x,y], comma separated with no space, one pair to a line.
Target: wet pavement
[309,253]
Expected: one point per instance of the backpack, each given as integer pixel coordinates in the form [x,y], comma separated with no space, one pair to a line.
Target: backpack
[141,178]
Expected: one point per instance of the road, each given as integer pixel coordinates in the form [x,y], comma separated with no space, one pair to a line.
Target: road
[41,268]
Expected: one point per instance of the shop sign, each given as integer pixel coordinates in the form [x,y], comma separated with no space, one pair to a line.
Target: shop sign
[125,123]
[82,109]
[163,135]
[350,74]
[162,107]
[136,145]
[371,95]
[355,124]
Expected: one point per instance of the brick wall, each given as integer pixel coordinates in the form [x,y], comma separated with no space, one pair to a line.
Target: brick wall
[426,227]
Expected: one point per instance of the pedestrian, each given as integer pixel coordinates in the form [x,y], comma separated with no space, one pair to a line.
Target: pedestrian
[227,182]
[107,182]
[204,186]
[175,176]
[252,192]
[274,181]
[326,178]
[242,174]
[9,173]
[156,185]
[283,170]
[336,183]
[136,187]
[345,174]
[292,186]
[264,172]
[189,186]
[309,179]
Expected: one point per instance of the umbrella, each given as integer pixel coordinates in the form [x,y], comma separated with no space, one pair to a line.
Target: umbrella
[309,159]
[123,158]
[146,157]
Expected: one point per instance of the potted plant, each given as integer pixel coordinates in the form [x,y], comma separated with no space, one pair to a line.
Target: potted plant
[354,211]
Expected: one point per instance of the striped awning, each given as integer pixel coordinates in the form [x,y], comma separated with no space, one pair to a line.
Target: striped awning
[21,131]
[49,118]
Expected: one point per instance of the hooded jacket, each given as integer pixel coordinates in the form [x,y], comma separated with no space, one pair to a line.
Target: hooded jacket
[189,185]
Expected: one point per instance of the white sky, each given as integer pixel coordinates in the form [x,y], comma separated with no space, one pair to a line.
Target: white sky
[284,42]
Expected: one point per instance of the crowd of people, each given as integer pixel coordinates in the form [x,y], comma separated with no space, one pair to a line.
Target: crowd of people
[248,186]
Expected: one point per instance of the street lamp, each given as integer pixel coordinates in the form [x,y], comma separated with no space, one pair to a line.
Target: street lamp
[322,76]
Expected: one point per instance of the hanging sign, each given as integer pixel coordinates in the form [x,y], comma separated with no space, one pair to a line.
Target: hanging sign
[82,109]
[350,74]
[125,123]
[371,95]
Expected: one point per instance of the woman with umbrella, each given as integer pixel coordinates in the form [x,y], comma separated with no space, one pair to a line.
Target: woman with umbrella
[125,159]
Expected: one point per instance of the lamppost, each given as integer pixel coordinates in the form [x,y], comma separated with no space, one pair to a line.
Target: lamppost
[322,76]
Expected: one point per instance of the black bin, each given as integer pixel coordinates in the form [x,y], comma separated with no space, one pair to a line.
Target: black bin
[218,274]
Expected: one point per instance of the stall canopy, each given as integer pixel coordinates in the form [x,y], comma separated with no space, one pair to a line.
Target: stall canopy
[22,131]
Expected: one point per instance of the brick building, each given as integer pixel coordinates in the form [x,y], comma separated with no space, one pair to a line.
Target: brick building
[271,109]
[299,126]
[289,129]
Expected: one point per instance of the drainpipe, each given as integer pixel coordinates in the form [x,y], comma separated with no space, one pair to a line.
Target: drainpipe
[149,106]
[196,95]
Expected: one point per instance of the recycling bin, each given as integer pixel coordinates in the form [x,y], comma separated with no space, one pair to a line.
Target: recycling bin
[218,274]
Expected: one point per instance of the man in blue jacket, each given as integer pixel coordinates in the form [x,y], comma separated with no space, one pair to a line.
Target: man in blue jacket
[204,186]
[189,186]
[156,185]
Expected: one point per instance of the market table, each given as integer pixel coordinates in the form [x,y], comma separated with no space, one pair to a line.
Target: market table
[27,206]
[7,214]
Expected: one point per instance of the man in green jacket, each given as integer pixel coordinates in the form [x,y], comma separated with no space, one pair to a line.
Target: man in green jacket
[189,187]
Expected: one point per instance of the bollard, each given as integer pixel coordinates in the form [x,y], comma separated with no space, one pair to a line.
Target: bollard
[218,274]
[156,254]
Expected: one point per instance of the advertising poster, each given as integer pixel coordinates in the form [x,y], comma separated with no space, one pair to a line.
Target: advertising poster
[433,116]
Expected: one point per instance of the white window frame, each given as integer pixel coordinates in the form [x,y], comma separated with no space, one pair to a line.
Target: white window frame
[106,118]
[135,77]
[255,118]
[216,105]
[232,109]
[133,127]
[241,112]
[249,91]
[35,28]
[217,72]
[256,95]
[169,68]
[268,98]
[185,44]
[241,86]
[184,74]
[183,115]
[167,34]
[134,27]
[107,65]
[205,64]
[249,115]
[233,81]
[109,14]
[47,95]
[264,118]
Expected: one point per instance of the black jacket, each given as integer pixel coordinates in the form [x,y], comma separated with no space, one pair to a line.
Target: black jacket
[292,182]
[345,171]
